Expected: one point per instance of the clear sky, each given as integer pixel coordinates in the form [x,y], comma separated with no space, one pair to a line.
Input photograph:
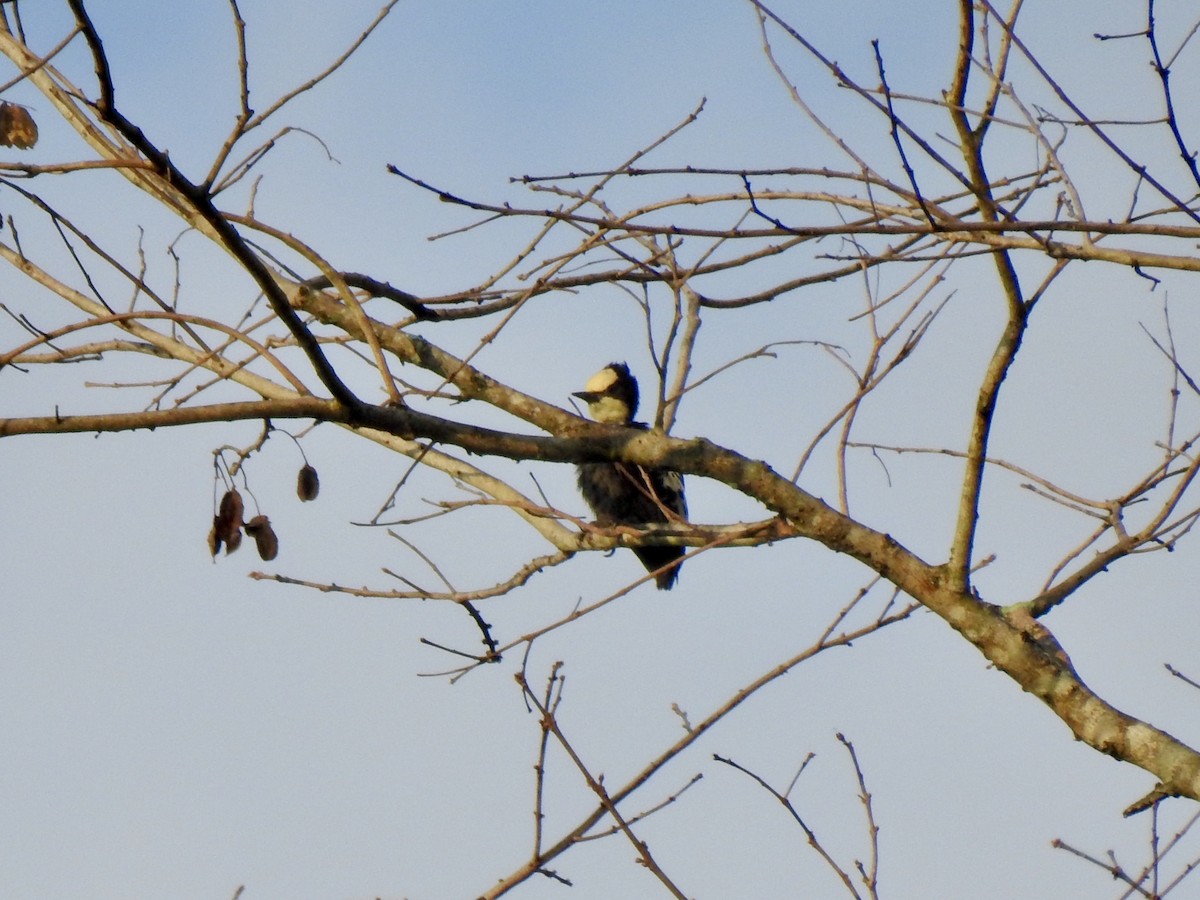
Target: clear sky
[170,728]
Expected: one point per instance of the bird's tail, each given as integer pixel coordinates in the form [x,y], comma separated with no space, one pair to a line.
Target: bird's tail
[657,557]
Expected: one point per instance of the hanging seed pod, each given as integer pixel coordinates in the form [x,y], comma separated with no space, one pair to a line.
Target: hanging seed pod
[227,525]
[17,128]
[229,513]
[307,484]
[260,529]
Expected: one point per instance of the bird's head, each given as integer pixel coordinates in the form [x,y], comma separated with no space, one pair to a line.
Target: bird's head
[611,395]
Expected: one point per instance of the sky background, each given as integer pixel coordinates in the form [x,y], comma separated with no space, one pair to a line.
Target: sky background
[171,728]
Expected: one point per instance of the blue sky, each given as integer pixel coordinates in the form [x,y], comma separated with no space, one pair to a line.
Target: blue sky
[175,729]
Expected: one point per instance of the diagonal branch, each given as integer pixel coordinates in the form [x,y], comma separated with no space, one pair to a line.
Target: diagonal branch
[971,142]
[199,205]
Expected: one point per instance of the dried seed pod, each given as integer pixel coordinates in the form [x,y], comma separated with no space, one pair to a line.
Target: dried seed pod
[307,484]
[231,508]
[227,525]
[214,539]
[260,529]
[17,128]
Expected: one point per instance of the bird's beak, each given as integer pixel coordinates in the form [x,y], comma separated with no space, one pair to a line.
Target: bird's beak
[586,396]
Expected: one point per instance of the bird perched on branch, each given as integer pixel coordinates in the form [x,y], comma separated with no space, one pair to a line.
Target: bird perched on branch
[623,493]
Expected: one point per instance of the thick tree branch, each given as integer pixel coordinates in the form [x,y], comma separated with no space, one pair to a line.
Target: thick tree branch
[291,408]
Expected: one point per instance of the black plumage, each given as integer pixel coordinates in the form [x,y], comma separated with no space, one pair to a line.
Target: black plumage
[626,494]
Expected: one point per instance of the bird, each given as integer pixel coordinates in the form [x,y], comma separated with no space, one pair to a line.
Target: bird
[622,493]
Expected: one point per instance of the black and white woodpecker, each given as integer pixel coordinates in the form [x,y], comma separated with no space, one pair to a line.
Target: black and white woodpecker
[623,493]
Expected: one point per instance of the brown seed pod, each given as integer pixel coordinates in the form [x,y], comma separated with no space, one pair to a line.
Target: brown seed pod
[307,484]
[260,529]
[231,508]
[17,128]
[227,526]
